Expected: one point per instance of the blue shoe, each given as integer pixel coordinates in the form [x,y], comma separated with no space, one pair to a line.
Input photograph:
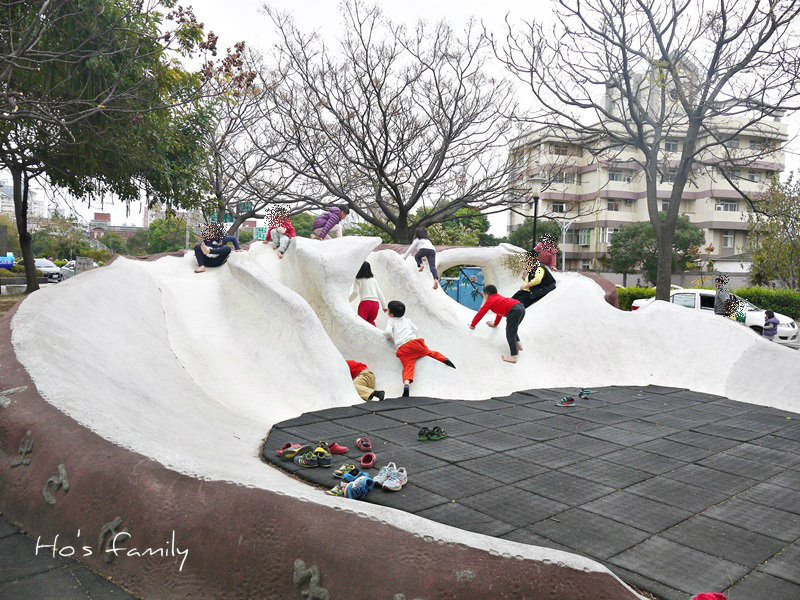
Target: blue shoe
[358,489]
[354,474]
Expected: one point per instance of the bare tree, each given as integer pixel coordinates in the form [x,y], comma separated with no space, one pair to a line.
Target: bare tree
[243,174]
[623,76]
[392,120]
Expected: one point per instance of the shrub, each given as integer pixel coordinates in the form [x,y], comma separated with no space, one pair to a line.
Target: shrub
[782,301]
[60,262]
[629,294]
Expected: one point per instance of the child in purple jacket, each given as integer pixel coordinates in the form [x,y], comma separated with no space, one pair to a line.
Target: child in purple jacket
[771,323]
[329,223]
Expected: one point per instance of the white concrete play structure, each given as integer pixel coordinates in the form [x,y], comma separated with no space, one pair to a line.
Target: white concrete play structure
[192,370]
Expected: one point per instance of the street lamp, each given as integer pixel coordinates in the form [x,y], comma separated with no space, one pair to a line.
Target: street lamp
[536,183]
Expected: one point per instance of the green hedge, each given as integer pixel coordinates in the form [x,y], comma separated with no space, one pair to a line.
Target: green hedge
[782,301]
[629,294]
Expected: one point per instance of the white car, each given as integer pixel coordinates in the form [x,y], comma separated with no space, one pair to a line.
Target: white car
[68,270]
[50,269]
[704,300]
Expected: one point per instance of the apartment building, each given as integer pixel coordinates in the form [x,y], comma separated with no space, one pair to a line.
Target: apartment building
[596,193]
[36,201]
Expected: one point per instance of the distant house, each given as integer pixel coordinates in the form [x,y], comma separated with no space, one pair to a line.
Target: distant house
[736,263]
[100,225]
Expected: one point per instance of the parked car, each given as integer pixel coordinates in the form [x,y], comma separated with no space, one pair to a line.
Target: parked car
[68,270]
[50,269]
[704,300]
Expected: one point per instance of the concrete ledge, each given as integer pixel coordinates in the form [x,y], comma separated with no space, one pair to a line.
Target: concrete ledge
[242,542]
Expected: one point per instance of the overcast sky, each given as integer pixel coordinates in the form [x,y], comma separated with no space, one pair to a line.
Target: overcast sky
[235,20]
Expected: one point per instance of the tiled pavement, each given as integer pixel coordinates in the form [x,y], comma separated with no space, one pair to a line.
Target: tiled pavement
[25,576]
[677,492]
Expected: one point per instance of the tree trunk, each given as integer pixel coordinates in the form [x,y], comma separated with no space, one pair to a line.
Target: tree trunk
[25,239]
[624,280]
[665,235]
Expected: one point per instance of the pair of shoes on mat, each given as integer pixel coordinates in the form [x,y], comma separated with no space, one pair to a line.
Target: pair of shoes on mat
[332,448]
[392,479]
[319,457]
[289,451]
[436,433]
[566,401]
[584,393]
[355,484]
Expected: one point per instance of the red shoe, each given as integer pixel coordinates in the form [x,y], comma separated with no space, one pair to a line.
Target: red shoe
[337,449]
[364,444]
[286,446]
[368,460]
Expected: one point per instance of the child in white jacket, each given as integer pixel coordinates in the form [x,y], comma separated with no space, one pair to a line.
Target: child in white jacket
[366,287]
[409,347]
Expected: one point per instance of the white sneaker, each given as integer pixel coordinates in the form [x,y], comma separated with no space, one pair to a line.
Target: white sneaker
[385,473]
[397,480]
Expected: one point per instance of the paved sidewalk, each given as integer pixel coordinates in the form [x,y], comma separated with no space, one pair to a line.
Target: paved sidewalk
[25,576]
[677,492]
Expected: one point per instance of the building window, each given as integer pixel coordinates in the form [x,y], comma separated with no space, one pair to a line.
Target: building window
[613,205]
[727,239]
[731,143]
[584,237]
[664,205]
[727,205]
[585,265]
[607,232]
[758,144]
[565,178]
[560,149]
[670,175]
[671,145]
[559,207]
[753,176]
[624,176]
[571,237]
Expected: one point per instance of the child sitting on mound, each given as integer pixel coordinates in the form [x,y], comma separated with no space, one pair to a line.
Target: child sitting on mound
[509,308]
[409,347]
[281,231]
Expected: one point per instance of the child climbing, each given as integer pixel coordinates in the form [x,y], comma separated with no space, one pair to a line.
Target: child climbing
[409,347]
[329,223]
[281,231]
[771,323]
[547,250]
[366,287]
[212,251]
[538,281]
[364,380]
[511,309]
[423,247]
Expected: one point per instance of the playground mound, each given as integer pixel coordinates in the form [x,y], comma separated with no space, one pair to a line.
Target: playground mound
[192,370]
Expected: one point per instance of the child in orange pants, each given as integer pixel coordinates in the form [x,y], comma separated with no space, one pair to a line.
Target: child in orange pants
[409,347]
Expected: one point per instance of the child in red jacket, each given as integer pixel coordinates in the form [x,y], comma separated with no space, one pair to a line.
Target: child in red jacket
[511,309]
[364,380]
[281,232]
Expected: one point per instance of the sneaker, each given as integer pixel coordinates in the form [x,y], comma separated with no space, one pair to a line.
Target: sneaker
[345,468]
[397,480]
[309,459]
[358,489]
[324,459]
[385,473]
[449,363]
[566,401]
[584,393]
[378,395]
[337,490]
[353,474]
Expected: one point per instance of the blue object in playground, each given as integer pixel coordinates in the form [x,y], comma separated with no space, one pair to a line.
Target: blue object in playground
[7,261]
[467,288]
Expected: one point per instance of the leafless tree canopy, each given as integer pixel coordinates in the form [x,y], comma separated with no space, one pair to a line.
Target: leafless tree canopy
[242,174]
[621,75]
[391,120]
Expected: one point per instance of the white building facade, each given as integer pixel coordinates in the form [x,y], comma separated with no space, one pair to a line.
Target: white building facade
[598,193]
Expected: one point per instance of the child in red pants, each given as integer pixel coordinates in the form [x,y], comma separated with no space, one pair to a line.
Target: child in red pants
[409,347]
[366,287]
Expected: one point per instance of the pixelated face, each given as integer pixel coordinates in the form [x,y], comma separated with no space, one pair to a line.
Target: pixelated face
[212,231]
[276,215]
